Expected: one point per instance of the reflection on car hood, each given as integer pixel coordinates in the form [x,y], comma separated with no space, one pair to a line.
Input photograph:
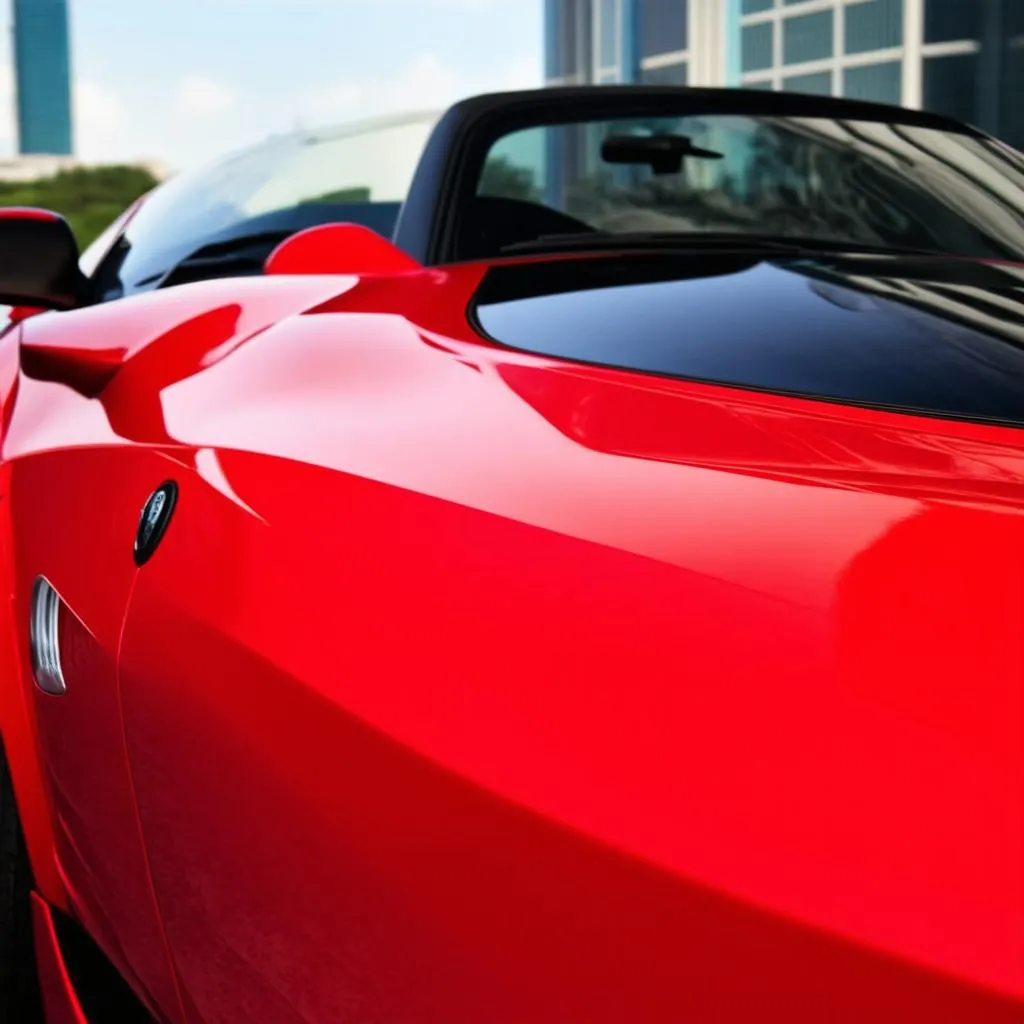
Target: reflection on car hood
[944,337]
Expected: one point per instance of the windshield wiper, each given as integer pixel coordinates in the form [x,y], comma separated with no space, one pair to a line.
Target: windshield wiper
[676,241]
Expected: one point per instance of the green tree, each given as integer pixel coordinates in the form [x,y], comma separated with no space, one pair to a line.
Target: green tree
[88,197]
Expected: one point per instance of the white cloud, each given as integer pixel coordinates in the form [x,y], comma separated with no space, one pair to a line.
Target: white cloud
[101,121]
[523,73]
[424,84]
[203,96]
[427,83]
[186,126]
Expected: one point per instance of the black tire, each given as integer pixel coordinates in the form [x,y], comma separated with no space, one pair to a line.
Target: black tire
[19,985]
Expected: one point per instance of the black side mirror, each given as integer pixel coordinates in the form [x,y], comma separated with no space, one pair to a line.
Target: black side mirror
[39,260]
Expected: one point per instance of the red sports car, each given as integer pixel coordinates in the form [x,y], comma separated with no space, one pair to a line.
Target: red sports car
[586,588]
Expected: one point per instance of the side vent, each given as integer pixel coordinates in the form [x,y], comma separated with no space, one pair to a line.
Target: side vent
[44,620]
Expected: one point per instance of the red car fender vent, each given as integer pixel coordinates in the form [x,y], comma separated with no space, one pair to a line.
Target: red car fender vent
[44,637]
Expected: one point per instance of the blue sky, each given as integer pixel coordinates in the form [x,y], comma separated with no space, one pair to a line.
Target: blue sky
[181,81]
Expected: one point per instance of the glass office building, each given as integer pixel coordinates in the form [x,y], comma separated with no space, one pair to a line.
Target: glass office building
[42,72]
[964,58]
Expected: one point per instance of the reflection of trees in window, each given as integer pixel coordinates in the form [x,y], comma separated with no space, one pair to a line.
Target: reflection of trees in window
[503,179]
[798,183]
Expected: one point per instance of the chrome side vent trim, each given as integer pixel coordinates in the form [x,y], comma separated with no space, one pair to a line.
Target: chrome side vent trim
[44,640]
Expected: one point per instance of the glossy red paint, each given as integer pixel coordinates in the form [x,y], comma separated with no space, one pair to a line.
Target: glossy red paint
[90,832]
[196,321]
[469,685]
[98,843]
[60,1002]
[19,313]
[338,249]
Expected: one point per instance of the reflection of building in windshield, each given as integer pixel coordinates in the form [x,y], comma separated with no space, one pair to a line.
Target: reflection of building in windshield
[870,182]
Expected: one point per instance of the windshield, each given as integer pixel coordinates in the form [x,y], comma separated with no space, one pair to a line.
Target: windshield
[872,183]
[360,173]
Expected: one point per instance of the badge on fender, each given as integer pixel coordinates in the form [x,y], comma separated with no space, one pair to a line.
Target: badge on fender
[156,515]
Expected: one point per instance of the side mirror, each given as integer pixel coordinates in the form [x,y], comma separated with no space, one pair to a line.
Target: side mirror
[338,249]
[38,260]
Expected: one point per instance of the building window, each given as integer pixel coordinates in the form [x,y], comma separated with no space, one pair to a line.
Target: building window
[946,21]
[800,46]
[663,27]
[765,85]
[756,6]
[950,85]
[807,38]
[820,84]
[874,25]
[878,83]
[666,74]
[756,46]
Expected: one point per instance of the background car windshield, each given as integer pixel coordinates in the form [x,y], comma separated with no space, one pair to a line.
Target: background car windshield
[846,181]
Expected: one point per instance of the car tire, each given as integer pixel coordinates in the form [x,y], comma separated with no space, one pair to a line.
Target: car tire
[19,985]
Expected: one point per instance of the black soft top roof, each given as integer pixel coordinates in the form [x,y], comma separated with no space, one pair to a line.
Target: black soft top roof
[445,175]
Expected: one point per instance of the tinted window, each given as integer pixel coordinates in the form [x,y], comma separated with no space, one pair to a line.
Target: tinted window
[873,183]
[874,25]
[819,84]
[879,83]
[663,27]
[951,20]
[756,42]
[950,85]
[360,174]
[808,37]
[942,337]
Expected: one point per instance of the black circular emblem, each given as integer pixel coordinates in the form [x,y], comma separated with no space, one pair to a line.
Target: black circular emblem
[156,514]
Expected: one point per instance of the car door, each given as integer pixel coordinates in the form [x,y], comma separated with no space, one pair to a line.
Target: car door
[284,834]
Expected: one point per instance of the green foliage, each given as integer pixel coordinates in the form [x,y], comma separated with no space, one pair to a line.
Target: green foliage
[89,197]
